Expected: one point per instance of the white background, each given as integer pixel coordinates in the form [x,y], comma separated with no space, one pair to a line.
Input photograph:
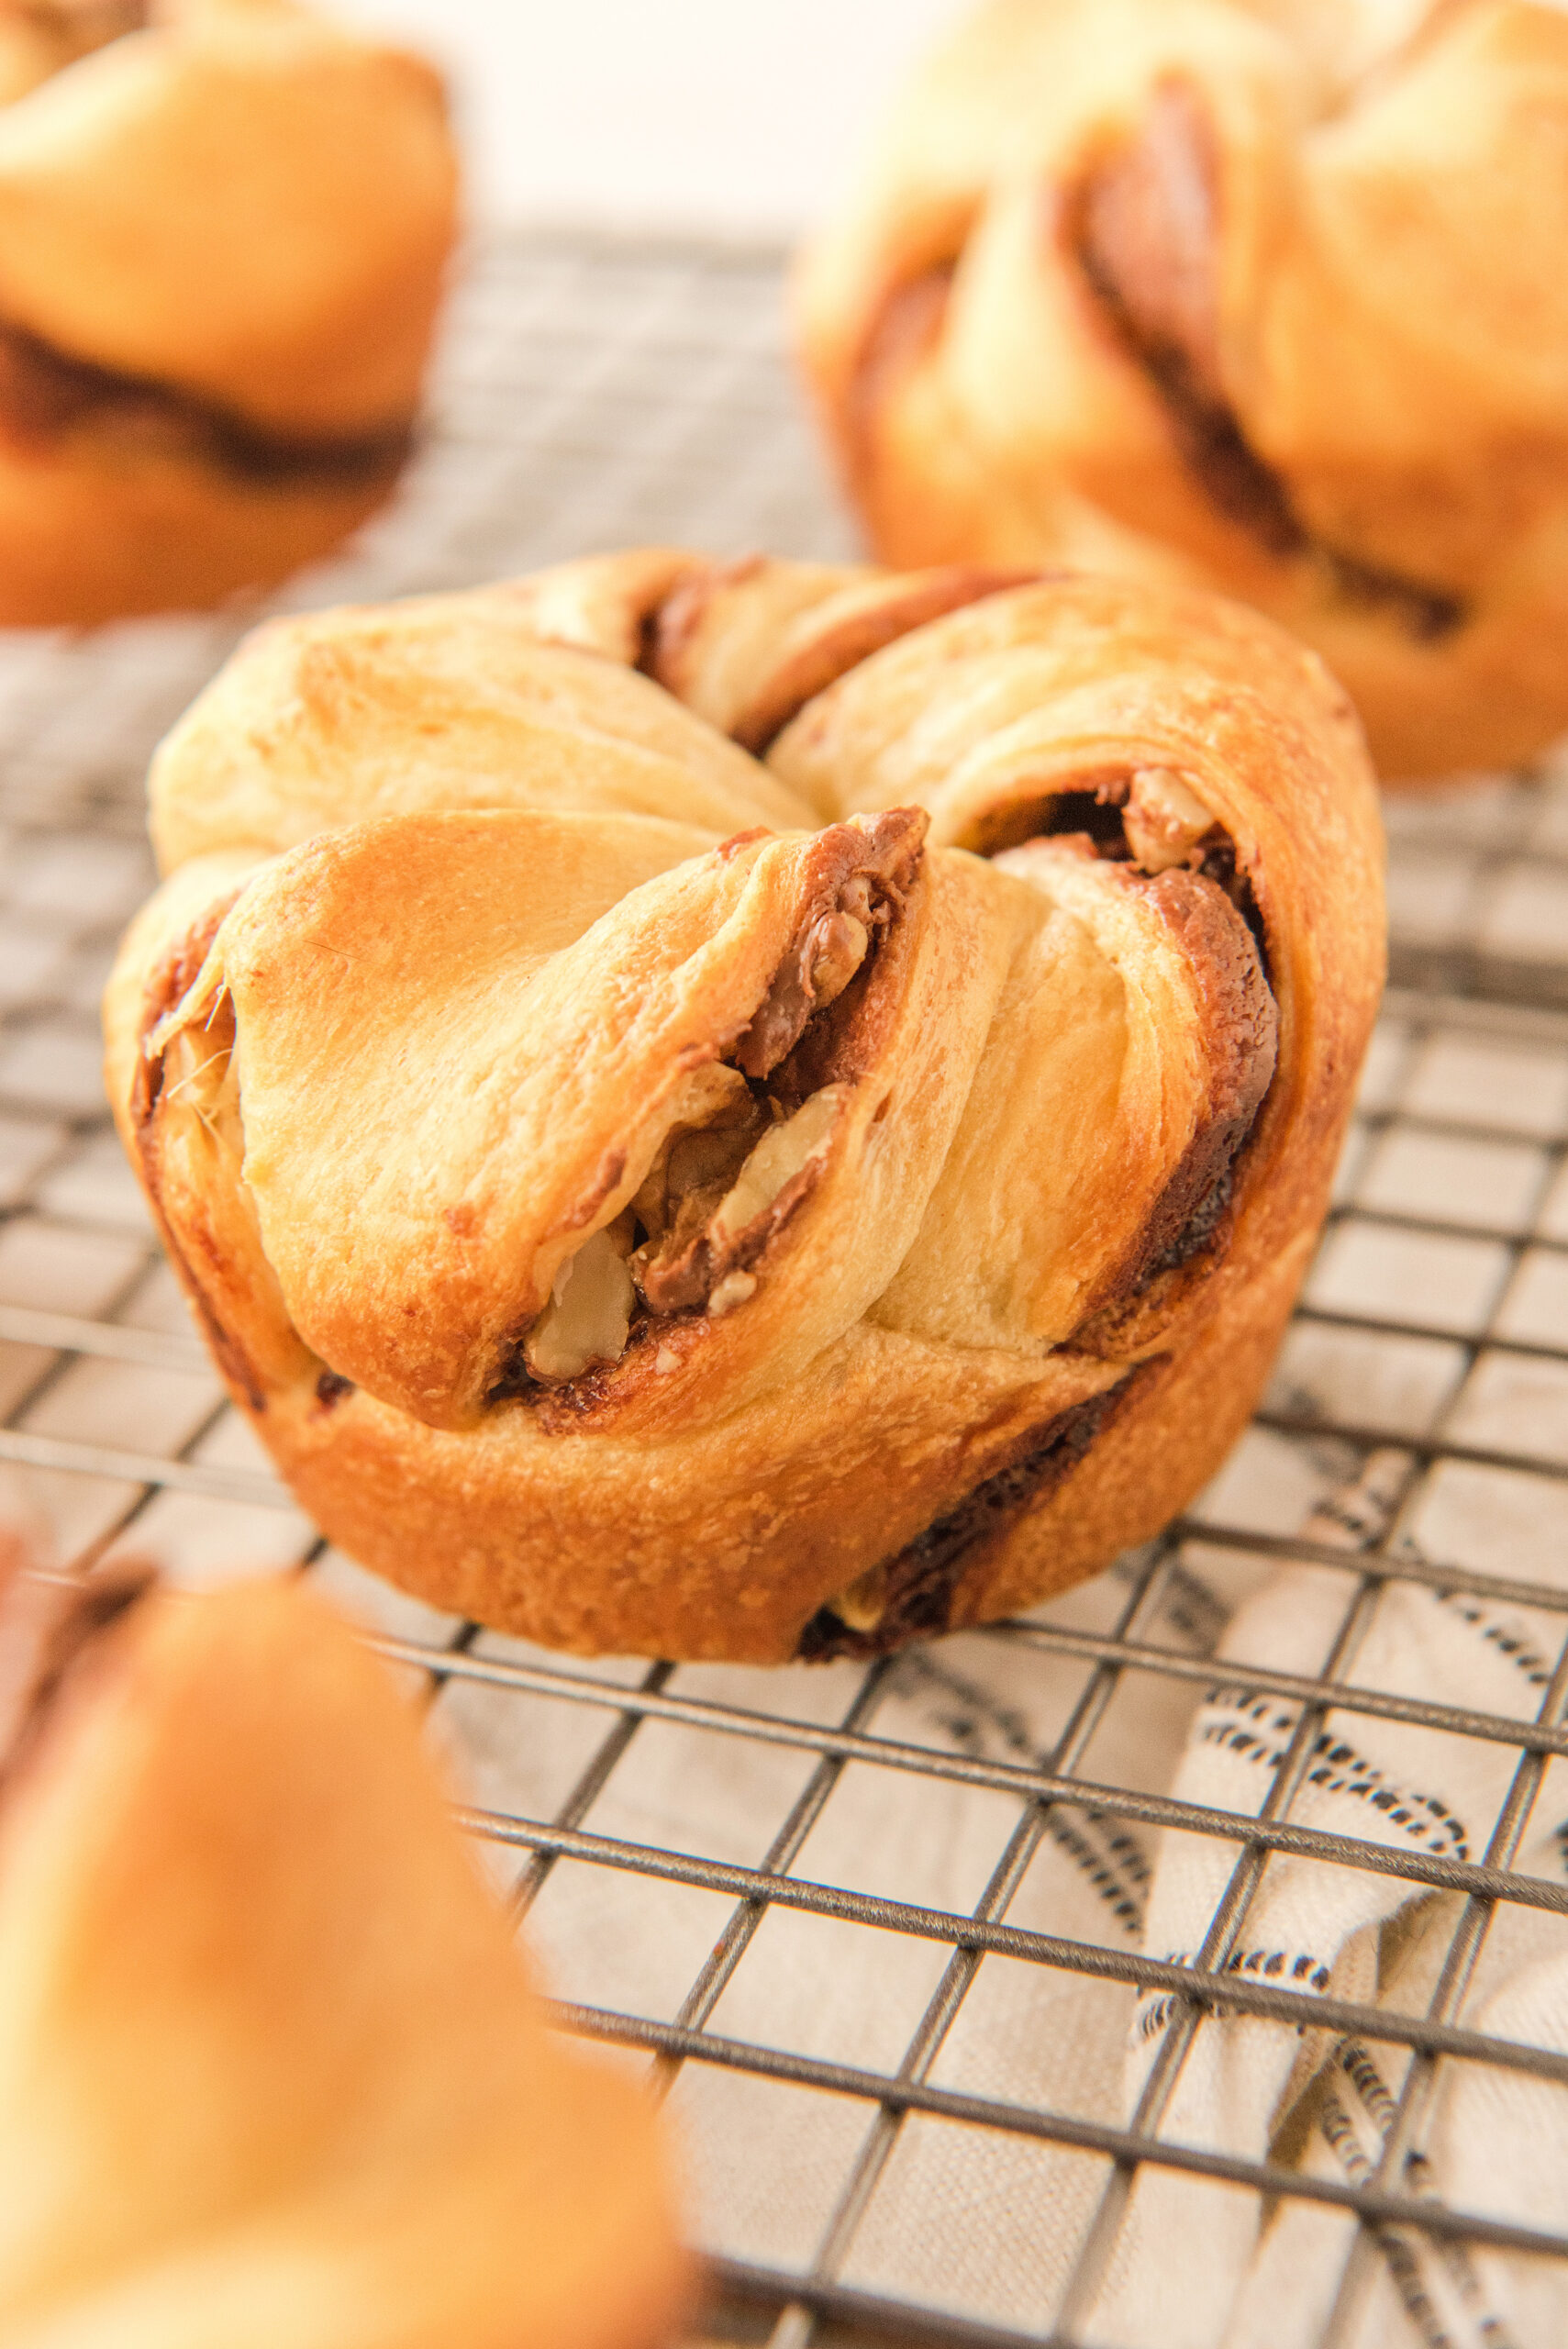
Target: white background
[731,117]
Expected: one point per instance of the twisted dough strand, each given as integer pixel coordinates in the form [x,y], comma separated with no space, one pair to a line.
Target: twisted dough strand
[766,1226]
[1255,294]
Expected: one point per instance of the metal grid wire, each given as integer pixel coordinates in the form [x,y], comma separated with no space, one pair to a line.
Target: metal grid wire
[595,395]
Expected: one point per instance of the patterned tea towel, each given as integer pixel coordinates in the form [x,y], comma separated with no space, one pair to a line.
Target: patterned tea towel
[1192,2267]
[1030,2233]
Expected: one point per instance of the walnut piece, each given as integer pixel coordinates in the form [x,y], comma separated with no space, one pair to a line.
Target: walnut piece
[589,1313]
[1164,819]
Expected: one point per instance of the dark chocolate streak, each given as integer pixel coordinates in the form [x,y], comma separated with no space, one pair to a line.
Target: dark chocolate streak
[1218,864]
[667,628]
[1146,231]
[841,648]
[1206,1220]
[1244,1046]
[922,1578]
[1097,817]
[46,393]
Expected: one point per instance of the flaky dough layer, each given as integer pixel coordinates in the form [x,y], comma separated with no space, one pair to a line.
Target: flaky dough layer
[1261,295]
[657,1196]
[223,230]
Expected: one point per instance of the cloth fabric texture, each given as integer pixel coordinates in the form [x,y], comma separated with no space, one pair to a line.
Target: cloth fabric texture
[994,2225]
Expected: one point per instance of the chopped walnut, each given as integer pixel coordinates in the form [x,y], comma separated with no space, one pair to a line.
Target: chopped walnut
[1164,819]
[838,947]
[778,1158]
[719,1123]
[706,1234]
[734,1289]
[589,1313]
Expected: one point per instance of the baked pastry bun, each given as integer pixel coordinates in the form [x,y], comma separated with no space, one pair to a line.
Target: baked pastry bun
[270,2070]
[750,1111]
[223,230]
[1261,295]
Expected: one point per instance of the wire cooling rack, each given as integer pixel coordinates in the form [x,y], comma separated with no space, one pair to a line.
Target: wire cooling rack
[840,1912]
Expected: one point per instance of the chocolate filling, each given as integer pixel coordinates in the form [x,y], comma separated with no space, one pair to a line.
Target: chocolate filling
[898,612]
[856,871]
[816,1026]
[1095,816]
[47,1630]
[1219,865]
[46,394]
[1199,900]
[1145,228]
[667,628]
[1206,1219]
[898,607]
[1241,1009]
[921,1579]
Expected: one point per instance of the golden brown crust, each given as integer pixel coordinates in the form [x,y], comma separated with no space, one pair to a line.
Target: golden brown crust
[1222,293]
[913,1594]
[822,639]
[498,697]
[662,1233]
[239,1934]
[223,232]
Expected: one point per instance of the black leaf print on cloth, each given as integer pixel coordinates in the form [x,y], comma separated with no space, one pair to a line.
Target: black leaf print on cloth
[1436,2280]
[1502,1631]
[978,1721]
[1296,1969]
[1257,1729]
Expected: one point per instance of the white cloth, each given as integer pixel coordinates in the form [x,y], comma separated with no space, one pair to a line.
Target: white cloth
[1193,2266]
[992,2224]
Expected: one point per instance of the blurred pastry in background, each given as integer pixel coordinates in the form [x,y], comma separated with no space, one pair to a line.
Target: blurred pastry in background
[270,2070]
[750,1110]
[1266,295]
[224,227]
